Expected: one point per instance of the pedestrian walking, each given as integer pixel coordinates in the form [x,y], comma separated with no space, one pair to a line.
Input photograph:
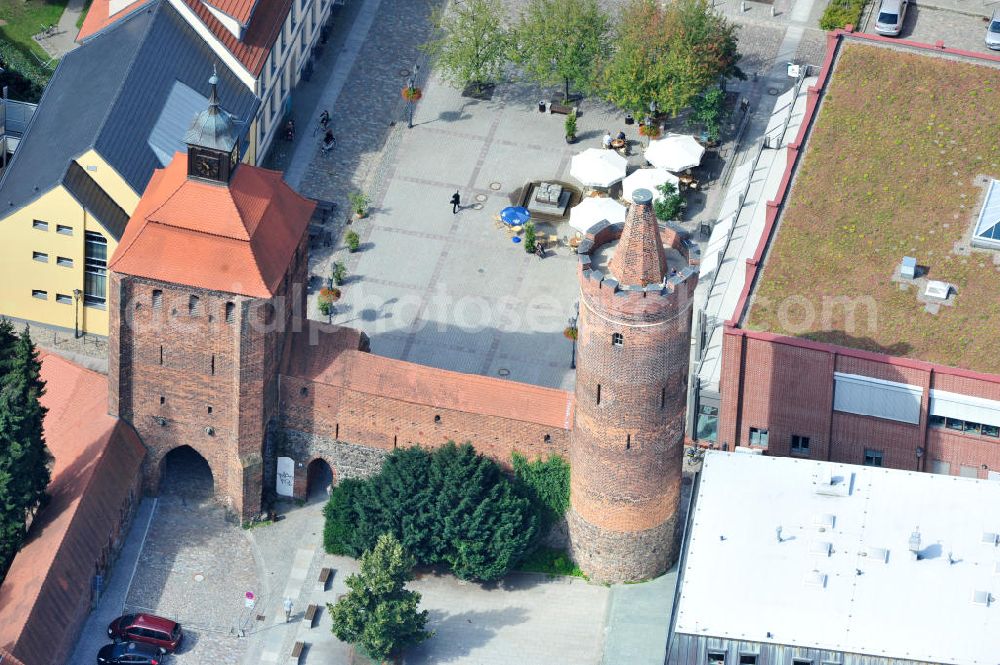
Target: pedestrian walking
[288,609]
[456,202]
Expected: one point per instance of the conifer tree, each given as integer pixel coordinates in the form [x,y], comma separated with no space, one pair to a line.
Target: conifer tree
[24,458]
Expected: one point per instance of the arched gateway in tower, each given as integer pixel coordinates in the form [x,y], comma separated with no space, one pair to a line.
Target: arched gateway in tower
[632,358]
[204,285]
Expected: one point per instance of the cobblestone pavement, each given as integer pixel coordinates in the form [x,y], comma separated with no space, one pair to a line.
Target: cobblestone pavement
[959,25]
[195,566]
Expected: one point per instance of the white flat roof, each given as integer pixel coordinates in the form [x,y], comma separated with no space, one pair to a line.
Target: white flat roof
[853,586]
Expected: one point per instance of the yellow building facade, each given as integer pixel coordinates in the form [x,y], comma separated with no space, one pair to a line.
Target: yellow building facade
[56,251]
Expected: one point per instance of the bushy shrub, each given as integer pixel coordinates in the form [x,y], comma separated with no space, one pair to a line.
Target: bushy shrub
[546,483]
[449,506]
[840,13]
[25,79]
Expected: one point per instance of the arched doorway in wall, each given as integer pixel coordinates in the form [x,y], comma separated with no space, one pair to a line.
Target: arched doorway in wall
[185,473]
[319,476]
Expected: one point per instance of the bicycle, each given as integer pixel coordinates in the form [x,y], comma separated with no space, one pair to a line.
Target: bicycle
[48,30]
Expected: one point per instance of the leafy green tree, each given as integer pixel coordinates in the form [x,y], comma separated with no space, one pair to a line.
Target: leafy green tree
[474,42]
[669,206]
[560,41]
[450,506]
[707,109]
[484,524]
[546,483]
[24,458]
[668,53]
[378,614]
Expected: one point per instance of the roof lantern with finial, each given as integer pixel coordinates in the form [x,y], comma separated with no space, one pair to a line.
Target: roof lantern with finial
[213,140]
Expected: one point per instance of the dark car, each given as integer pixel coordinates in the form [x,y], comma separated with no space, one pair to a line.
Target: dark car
[147,628]
[128,653]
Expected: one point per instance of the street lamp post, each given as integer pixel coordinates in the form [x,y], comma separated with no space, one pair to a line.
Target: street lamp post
[76,313]
[572,357]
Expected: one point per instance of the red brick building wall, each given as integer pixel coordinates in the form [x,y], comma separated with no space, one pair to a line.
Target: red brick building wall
[785,385]
[199,377]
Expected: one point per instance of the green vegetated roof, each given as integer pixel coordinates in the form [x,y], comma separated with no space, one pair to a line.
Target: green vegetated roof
[890,171]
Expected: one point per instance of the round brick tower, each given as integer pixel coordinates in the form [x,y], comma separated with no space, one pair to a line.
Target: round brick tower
[632,356]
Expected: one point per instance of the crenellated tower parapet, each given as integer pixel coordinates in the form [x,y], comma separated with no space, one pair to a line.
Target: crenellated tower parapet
[632,359]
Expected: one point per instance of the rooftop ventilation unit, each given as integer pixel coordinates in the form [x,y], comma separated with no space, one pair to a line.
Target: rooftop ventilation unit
[914,545]
[828,484]
[820,549]
[908,268]
[877,554]
[937,290]
[991,538]
[824,522]
[815,578]
[996,568]
[983,598]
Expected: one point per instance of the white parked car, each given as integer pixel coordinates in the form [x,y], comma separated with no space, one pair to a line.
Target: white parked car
[993,31]
[890,17]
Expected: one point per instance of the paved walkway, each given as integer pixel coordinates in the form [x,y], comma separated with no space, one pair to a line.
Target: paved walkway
[63,40]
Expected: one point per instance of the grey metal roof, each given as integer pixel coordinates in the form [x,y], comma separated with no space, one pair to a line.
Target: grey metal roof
[171,51]
[110,94]
[95,200]
[213,127]
[71,112]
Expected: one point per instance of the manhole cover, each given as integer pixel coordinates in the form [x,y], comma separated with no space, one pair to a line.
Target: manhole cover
[495,186]
[503,372]
[772,91]
[481,197]
[404,72]
[477,206]
[199,578]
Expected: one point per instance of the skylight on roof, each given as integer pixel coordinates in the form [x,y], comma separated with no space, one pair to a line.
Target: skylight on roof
[987,232]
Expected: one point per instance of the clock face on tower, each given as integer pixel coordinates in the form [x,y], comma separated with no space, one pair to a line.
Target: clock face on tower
[207,166]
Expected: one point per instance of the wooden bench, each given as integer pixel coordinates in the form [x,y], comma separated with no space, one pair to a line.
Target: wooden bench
[297,651]
[560,109]
[311,613]
[324,577]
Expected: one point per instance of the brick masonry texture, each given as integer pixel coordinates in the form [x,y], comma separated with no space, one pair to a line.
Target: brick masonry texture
[626,453]
[788,389]
[186,374]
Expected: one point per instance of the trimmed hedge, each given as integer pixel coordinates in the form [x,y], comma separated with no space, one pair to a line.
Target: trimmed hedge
[840,13]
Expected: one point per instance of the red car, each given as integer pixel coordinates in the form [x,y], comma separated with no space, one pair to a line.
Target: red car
[147,628]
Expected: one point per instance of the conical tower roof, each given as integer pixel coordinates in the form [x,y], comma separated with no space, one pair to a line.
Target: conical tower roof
[639,258]
[213,128]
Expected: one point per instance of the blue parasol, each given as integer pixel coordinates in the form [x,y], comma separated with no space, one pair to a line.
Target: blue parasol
[515,215]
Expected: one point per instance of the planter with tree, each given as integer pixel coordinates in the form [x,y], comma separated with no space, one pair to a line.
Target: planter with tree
[327,297]
[668,207]
[530,238]
[352,240]
[359,204]
[570,126]
[339,273]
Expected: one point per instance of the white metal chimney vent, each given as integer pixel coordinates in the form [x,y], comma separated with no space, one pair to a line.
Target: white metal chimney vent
[991,538]
[878,554]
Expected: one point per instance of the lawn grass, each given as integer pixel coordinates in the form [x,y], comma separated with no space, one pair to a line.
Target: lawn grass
[83,14]
[888,172]
[25,18]
[550,562]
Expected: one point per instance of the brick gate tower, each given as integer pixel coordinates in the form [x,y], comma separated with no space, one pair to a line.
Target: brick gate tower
[204,288]
[626,451]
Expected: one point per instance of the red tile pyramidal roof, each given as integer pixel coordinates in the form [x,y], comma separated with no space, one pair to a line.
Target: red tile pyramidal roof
[241,10]
[639,258]
[236,238]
